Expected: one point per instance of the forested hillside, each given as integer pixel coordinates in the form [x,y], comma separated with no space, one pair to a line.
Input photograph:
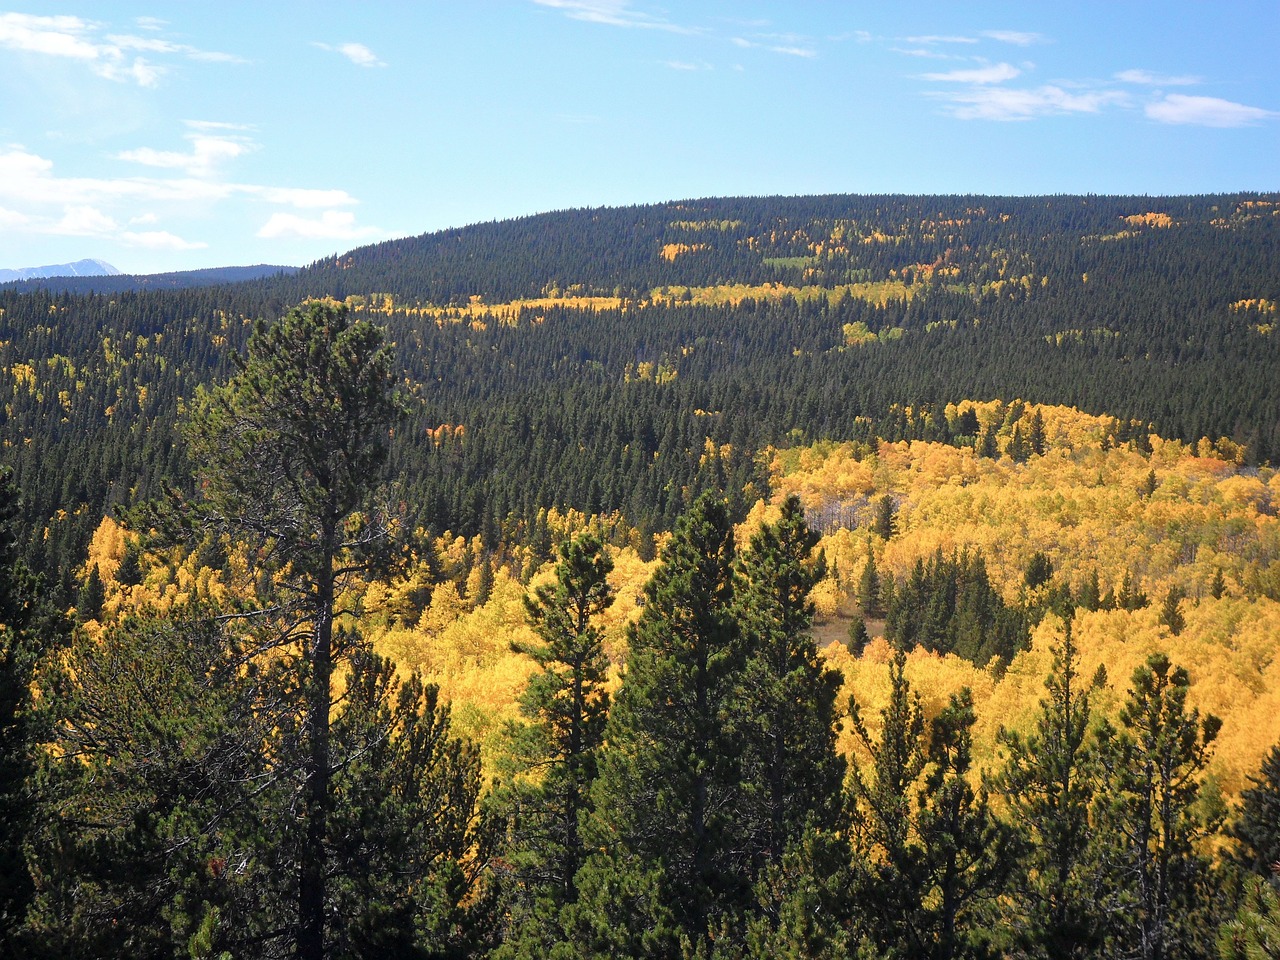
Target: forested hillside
[817,577]
[584,359]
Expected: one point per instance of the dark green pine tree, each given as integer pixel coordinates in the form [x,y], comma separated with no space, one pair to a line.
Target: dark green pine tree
[556,754]
[988,445]
[890,860]
[858,637]
[1219,586]
[669,798]
[967,853]
[149,839]
[1148,821]
[1170,614]
[885,521]
[407,843]
[91,597]
[869,587]
[288,453]
[26,632]
[1254,932]
[1256,827]
[1049,780]
[1035,435]
[793,773]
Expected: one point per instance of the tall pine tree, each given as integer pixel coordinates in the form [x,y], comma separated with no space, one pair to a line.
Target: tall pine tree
[669,799]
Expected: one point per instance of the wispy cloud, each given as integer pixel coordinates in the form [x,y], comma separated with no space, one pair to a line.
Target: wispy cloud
[925,53]
[686,66]
[208,151]
[1018,38]
[994,73]
[614,13]
[1149,79]
[931,39]
[1206,112]
[787,44]
[113,56]
[1007,104]
[357,53]
[35,197]
[330,225]
[160,240]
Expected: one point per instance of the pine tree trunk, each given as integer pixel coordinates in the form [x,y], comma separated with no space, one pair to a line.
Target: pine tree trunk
[311,885]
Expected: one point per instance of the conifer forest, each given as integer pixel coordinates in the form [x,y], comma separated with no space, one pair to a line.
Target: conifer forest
[778,577]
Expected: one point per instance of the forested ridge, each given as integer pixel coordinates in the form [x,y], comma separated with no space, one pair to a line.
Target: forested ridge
[589,355]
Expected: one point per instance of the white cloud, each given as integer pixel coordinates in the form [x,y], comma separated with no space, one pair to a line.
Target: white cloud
[110,56]
[150,23]
[1206,112]
[331,225]
[214,125]
[929,40]
[59,36]
[1004,103]
[615,13]
[806,52]
[160,240]
[83,222]
[924,52]
[1147,78]
[36,200]
[742,42]
[207,153]
[300,197]
[685,66]
[995,73]
[1016,37]
[357,53]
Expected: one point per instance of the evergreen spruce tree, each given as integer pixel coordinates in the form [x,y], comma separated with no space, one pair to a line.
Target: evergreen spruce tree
[1219,586]
[1049,781]
[1254,932]
[1148,822]
[288,452]
[26,633]
[869,587]
[669,798]
[150,834]
[885,523]
[566,704]
[792,772]
[1256,827]
[967,853]
[858,637]
[890,859]
[1170,615]
[91,597]
[1035,435]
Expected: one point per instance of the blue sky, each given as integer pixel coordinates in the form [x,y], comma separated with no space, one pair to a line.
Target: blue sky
[166,136]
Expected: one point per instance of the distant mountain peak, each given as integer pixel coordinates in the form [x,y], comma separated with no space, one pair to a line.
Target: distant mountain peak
[80,268]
